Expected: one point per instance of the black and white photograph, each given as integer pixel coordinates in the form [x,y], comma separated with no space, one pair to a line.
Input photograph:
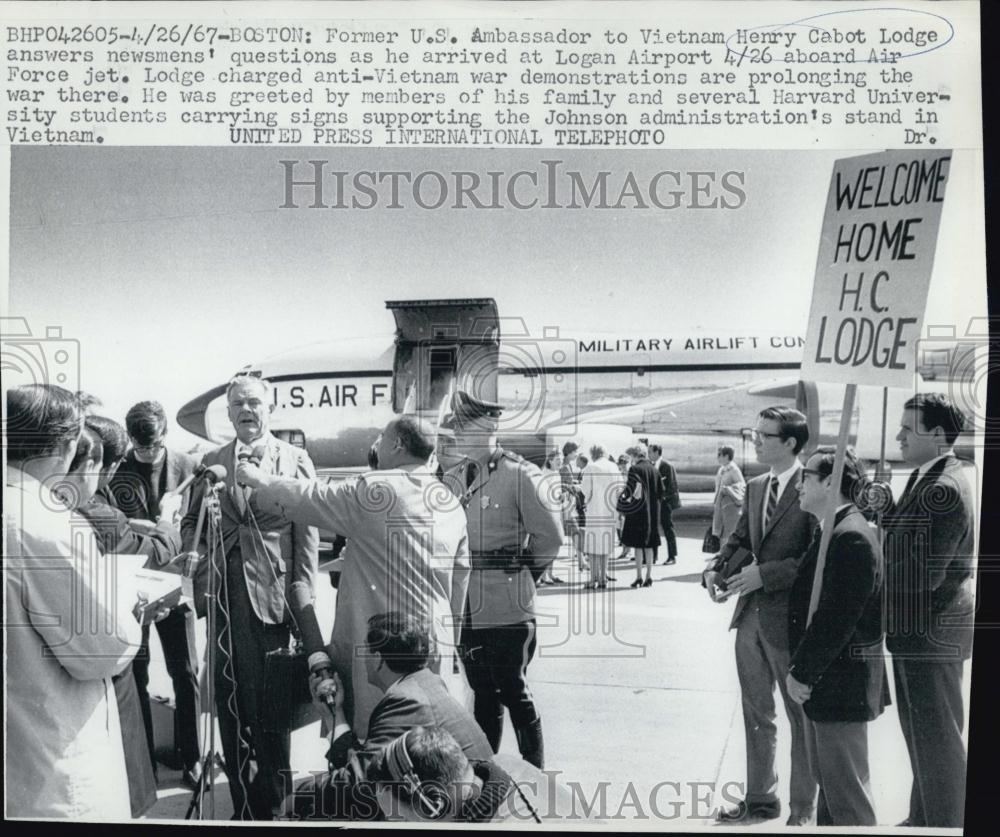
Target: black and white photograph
[572,486]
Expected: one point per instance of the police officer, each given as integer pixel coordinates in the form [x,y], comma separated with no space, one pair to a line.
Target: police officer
[515,530]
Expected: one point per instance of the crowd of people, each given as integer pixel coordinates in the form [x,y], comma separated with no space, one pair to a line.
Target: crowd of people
[448,537]
[604,506]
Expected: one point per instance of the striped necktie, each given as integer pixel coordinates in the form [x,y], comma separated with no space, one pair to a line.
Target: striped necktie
[772,501]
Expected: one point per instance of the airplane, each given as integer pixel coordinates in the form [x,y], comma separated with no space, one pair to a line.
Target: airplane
[690,393]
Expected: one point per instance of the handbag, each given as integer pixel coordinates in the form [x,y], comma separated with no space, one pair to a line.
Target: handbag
[710,543]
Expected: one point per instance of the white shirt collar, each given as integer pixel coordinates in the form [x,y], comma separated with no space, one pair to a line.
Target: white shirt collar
[838,511]
[786,475]
[923,469]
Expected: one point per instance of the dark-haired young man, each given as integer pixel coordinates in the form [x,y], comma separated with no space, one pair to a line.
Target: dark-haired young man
[399,647]
[149,471]
[106,442]
[930,553]
[837,671]
[777,533]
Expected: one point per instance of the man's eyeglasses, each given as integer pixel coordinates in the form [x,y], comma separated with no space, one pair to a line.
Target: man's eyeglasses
[152,448]
[757,435]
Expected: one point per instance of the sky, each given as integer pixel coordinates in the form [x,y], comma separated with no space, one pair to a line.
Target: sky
[174,267]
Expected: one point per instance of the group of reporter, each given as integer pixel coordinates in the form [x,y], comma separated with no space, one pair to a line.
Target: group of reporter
[439,584]
[413,545]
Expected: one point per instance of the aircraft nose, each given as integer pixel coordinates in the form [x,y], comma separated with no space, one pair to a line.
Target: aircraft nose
[192,416]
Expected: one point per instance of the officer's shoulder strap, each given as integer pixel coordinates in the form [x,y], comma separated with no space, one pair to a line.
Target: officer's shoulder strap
[517,459]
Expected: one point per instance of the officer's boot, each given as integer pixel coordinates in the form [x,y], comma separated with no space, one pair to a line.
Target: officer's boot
[530,743]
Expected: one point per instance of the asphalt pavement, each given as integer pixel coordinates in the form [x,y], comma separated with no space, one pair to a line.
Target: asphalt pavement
[639,700]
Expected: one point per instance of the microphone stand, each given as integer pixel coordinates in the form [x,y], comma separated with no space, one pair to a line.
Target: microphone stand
[211,512]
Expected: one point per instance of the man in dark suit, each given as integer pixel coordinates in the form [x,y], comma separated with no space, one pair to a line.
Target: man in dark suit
[837,671]
[774,532]
[930,553]
[400,648]
[148,475]
[266,571]
[670,500]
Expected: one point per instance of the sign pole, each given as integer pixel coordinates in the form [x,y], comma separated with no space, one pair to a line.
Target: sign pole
[831,507]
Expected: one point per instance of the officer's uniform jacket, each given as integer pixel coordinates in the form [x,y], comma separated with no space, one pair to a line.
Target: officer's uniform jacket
[514,525]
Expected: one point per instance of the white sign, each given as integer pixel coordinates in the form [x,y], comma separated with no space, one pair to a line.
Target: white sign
[874,267]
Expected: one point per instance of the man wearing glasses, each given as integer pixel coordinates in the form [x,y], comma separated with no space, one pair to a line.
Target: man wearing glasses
[775,531]
[148,472]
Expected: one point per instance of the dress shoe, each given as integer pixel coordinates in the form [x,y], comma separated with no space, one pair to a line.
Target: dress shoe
[610,578]
[648,582]
[799,819]
[749,814]
[556,581]
[670,561]
[192,776]
[636,583]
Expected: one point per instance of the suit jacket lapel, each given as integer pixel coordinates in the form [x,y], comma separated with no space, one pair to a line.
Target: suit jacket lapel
[227,459]
[923,482]
[174,476]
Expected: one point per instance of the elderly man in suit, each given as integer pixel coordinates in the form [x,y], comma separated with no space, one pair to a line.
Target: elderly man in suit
[930,553]
[774,532]
[142,489]
[837,671]
[266,570]
[406,551]
[399,648]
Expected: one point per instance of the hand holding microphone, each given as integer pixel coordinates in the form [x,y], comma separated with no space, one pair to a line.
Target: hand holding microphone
[324,683]
[248,471]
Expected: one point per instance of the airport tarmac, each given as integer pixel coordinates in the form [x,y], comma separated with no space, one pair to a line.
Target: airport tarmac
[639,700]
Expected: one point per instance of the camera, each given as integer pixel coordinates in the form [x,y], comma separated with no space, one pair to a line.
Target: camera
[27,359]
[958,366]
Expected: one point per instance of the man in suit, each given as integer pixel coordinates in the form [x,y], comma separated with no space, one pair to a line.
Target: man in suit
[777,532]
[407,550]
[837,671]
[399,647]
[266,570]
[930,552]
[670,500]
[148,475]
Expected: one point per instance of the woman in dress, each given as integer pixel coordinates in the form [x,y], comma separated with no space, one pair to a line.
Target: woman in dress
[640,503]
[730,486]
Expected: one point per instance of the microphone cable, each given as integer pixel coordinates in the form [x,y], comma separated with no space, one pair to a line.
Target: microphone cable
[224,644]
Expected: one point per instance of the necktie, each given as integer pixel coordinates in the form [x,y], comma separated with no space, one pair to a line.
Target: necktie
[912,481]
[772,501]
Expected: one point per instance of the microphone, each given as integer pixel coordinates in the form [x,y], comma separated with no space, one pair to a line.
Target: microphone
[317,659]
[251,457]
[212,474]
